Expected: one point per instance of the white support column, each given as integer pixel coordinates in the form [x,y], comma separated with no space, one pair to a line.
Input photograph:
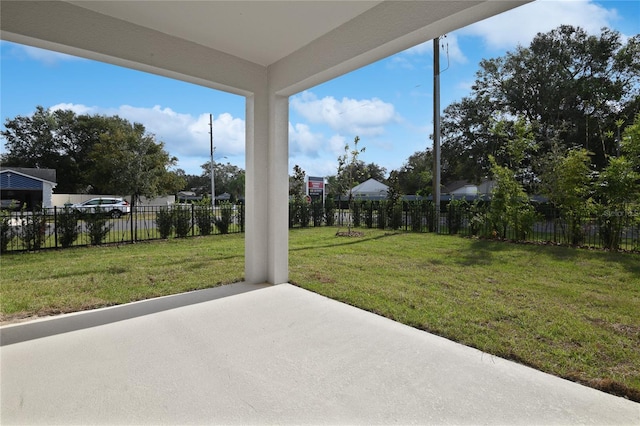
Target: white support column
[278,201]
[267,189]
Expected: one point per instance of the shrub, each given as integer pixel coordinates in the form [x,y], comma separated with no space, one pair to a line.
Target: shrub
[304,214]
[395,216]
[33,229]
[6,233]
[240,209]
[204,216]
[226,215]
[182,221]
[510,206]
[164,222]
[317,211]
[355,209]
[415,214]
[67,227]
[477,218]
[368,214]
[431,214]
[382,215]
[293,211]
[97,226]
[454,215]
[330,211]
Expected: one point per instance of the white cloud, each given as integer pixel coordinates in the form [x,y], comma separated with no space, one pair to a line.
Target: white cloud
[303,141]
[314,166]
[365,117]
[185,136]
[47,57]
[520,25]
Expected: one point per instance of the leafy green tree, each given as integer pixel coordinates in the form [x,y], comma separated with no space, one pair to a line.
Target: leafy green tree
[356,172]
[510,207]
[394,202]
[571,87]
[296,182]
[373,171]
[348,172]
[58,140]
[299,211]
[415,175]
[127,160]
[630,143]
[567,183]
[90,153]
[228,178]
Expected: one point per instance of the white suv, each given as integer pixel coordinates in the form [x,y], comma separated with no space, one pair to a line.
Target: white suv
[115,207]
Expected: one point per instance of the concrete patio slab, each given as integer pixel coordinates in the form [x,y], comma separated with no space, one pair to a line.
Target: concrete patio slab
[276,355]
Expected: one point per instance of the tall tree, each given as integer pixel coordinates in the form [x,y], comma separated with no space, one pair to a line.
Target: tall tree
[568,86]
[415,175]
[228,178]
[58,140]
[296,182]
[127,160]
[348,170]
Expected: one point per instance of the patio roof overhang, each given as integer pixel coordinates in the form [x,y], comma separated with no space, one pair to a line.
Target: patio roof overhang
[263,50]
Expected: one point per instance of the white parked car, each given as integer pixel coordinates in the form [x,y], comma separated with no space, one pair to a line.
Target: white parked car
[114,207]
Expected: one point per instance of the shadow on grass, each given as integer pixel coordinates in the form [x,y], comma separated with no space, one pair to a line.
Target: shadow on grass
[189,263]
[482,252]
[342,241]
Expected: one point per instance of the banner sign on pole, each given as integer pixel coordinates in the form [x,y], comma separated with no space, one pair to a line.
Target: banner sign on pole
[315,186]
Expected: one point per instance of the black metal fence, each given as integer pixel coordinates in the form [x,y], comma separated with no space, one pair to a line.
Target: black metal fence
[62,227]
[607,229]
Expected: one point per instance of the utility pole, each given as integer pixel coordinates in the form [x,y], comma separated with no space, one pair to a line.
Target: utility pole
[213,182]
[436,129]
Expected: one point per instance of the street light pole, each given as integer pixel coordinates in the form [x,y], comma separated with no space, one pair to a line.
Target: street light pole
[213,182]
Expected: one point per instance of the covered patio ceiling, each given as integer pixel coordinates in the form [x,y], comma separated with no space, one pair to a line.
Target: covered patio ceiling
[263,50]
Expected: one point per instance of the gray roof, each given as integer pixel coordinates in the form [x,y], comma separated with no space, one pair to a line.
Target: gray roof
[43,174]
[370,187]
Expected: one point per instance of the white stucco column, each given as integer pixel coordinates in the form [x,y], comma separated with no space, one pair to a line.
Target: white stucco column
[267,189]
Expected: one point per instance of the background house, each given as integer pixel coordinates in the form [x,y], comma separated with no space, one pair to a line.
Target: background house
[370,190]
[30,187]
[464,188]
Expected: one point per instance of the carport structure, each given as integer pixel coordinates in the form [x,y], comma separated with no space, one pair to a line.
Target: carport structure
[265,51]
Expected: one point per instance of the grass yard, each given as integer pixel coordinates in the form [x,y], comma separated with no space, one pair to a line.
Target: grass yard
[573,313]
[60,281]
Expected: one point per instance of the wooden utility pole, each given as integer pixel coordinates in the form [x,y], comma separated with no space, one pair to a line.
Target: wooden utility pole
[436,129]
[213,182]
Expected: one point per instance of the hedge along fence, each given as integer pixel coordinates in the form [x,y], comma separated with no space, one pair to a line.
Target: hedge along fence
[62,227]
[614,230]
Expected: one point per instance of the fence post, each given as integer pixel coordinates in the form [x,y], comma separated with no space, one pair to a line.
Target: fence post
[132,216]
[55,225]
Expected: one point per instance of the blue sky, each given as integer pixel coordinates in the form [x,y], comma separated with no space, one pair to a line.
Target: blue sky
[388,104]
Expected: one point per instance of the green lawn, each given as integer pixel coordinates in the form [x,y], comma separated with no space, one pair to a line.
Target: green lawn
[573,313]
[57,281]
